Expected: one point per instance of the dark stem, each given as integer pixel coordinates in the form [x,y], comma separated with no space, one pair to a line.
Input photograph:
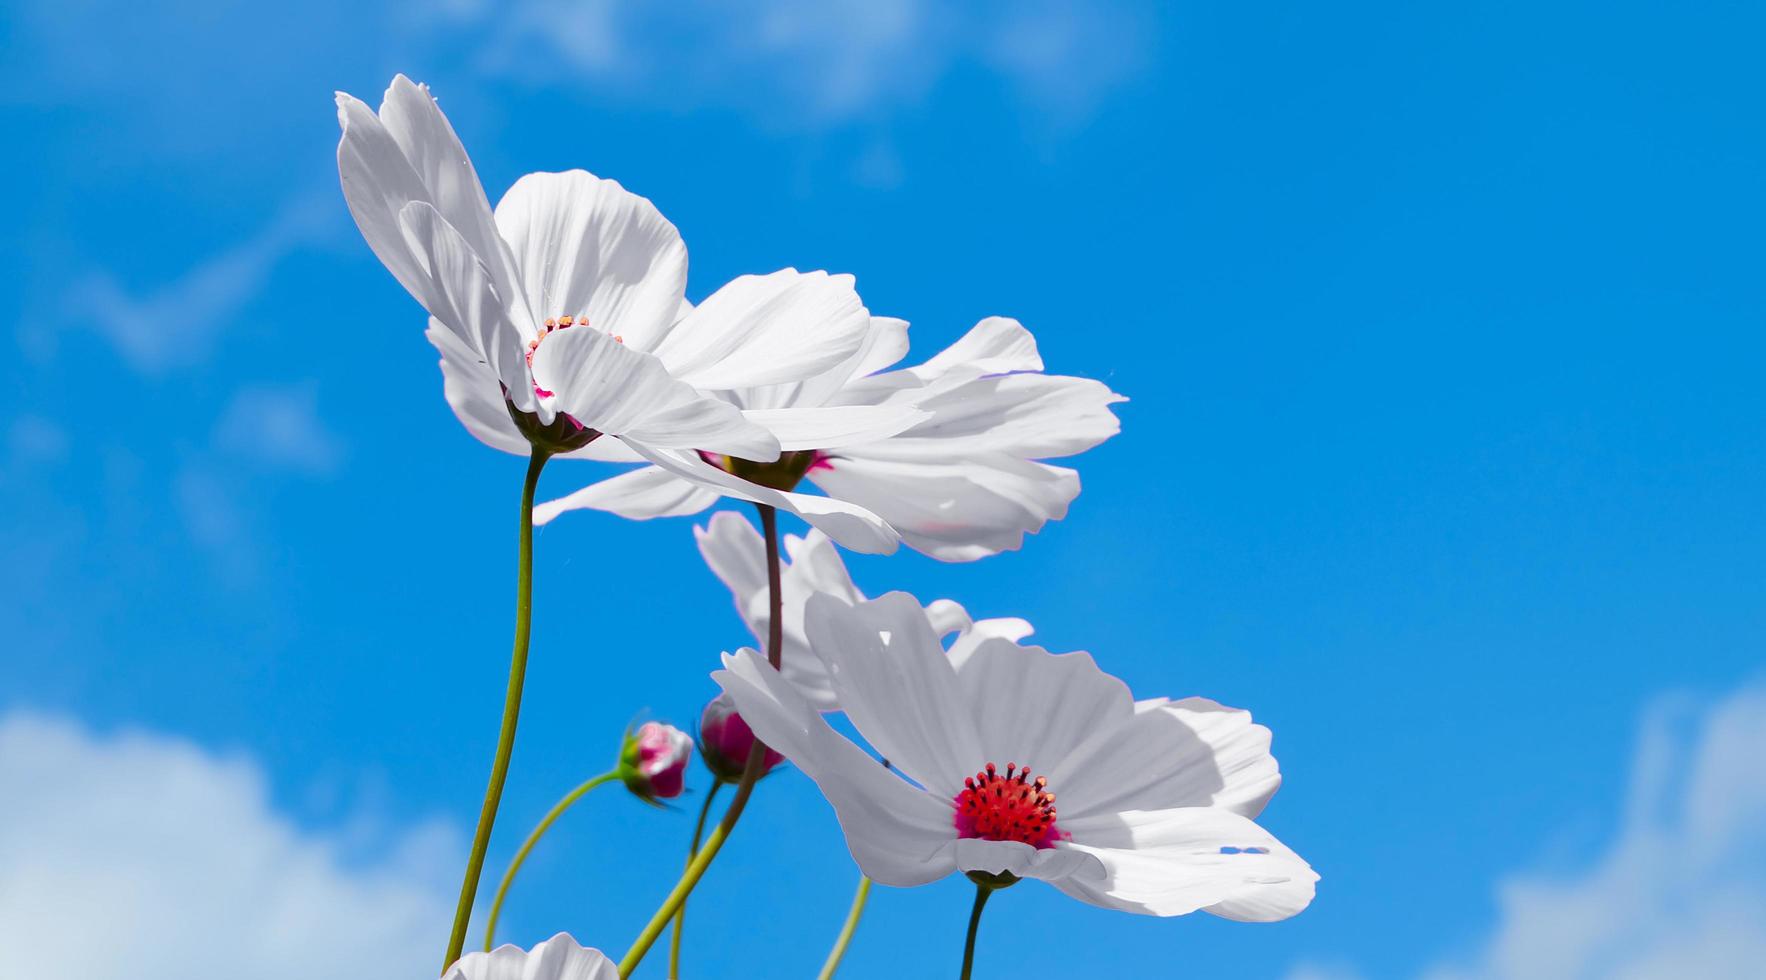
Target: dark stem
[981,893]
[750,771]
[493,794]
[775,625]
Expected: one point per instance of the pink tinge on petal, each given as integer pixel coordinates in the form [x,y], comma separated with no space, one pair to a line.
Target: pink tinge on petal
[662,755]
[1007,807]
[725,740]
[668,783]
[822,461]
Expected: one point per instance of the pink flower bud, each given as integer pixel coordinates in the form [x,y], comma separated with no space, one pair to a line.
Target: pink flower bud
[725,739]
[654,761]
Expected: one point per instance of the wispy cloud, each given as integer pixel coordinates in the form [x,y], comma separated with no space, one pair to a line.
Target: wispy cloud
[32,439]
[265,433]
[1682,890]
[1067,56]
[208,504]
[176,324]
[279,426]
[812,64]
[143,856]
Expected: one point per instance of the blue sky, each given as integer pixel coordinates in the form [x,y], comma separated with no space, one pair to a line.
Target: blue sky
[1442,330]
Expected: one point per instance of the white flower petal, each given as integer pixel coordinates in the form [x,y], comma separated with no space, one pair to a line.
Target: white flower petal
[1188,753]
[1034,708]
[996,345]
[377,184]
[812,565]
[897,687]
[952,509]
[973,636]
[947,617]
[607,386]
[435,153]
[885,343]
[473,393]
[1011,857]
[558,958]
[736,554]
[462,297]
[584,245]
[605,451]
[1173,862]
[832,427]
[640,494]
[849,524]
[898,835]
[763,330]
[1031,416]
[1005,627]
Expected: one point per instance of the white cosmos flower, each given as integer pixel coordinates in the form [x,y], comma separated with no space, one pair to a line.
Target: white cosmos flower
[558,958]
[946,452]
[559,316]
[811,564]
[1155,797]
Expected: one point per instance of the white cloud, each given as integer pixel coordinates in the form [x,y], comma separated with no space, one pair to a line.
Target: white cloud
[811,64]
[1068,55]
[279,426]
[176,324]
[142,856]
[1681,892]
[1314,971]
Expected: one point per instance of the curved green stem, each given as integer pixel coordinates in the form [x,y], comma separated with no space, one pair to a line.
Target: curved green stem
[545,824]
[846,931]
[981,893]
[674,943]
[750,771]
[696,867]
[493,794]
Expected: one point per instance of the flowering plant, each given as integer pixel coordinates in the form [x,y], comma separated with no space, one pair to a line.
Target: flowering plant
[563,329]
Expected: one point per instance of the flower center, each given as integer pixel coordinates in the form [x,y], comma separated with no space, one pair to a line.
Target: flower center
[1007,807]
[782,474]
[550,325]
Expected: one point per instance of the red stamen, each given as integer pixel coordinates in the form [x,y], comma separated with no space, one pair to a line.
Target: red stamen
[992,806]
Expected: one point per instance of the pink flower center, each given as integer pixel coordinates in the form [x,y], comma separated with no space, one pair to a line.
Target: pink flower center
[1008,807]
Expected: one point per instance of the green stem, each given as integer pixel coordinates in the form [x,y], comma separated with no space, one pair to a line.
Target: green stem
[674,943]
[981,893]
[545,824]
[696,867]
[493,794]
[750,770]
[846,931]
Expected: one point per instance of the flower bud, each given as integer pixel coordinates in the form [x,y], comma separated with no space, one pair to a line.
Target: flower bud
[653,761]
[725,739]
